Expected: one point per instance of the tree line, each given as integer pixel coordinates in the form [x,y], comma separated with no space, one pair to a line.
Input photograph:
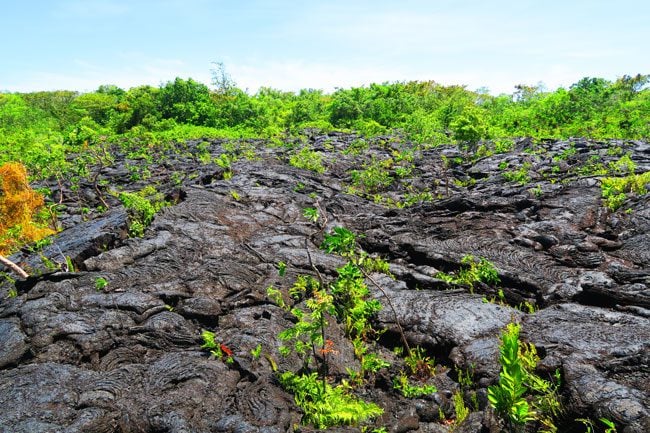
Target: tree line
[40,128]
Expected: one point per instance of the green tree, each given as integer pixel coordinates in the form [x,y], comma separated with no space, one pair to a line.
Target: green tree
[97,105]
[138,106]
[187,101]
[469,126]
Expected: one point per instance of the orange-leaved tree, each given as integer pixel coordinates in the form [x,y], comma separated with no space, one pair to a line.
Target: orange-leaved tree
[19,204]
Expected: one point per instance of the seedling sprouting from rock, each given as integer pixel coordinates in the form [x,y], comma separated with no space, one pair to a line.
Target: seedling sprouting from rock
[521,396]
[472,272]
[218,350]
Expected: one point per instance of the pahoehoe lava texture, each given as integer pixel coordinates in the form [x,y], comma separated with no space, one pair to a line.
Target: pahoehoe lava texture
[127,357]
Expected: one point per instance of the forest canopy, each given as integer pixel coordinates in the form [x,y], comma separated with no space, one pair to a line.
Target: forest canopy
[39,129]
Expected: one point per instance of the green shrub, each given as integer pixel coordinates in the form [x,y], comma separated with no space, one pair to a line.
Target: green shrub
[521,396]
[141,206]
[469,126]
[308,159]
[614,190]
[507,397]
[374,177]
[472,271]
[520,175]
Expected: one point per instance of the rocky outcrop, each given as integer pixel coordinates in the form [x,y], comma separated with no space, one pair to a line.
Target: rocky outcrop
[125,356]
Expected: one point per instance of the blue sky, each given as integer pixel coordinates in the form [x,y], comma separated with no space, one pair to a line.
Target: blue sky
[289,45]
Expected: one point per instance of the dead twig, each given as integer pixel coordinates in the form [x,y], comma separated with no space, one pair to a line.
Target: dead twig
[14,267]
[392,307]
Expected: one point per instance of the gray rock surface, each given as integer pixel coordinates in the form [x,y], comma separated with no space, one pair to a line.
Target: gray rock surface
[127,357]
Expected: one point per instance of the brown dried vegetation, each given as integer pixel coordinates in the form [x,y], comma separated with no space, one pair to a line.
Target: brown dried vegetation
[19,204]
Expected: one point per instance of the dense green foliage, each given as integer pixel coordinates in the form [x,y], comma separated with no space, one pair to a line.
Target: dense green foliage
[40,128]
[615,189]
[325,405]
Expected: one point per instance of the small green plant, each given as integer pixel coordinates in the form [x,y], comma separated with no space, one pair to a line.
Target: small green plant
[315,304]
[370,361]
[205,158]
[235,195]
[142,206]
[592,167]
[465,377]
[69,265]
[507,397]
[460,409]
[51,265]
[403,172]
[527,307]
[624,165]
[40,244]
[615,189]
[352,305]
[307,336]
[225,161]
[311,214]
[610,427]
[537,191]
[325,405]
[374,177]
[101,283]
[566,153]
[177,178]
[282,268]
[340,241]
[218,350]
[470,181]
[357,147]
[257,352]
[503,145]
[482,271]
[404,386]
[614,150]
[482,151]
[376,264]
[308,159]
[276,296]
[472,272]
[466,382]
[520,176]
[420,364]
[521,396]
[413,198]
[499,299]
[12,282]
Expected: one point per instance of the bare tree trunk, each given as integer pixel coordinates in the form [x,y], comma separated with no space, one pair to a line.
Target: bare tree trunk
[14,267]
